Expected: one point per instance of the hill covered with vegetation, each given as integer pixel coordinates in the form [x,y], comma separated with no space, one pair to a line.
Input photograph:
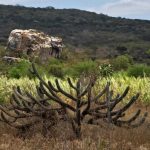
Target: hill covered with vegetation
[96,34]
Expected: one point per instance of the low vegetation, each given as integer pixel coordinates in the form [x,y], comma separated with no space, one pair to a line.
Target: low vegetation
[57,127]
[118,82]
[84,104]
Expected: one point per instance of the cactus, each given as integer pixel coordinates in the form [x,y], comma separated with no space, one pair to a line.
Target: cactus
[89,111]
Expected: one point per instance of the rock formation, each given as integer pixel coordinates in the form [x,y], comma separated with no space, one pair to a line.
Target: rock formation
[34,42]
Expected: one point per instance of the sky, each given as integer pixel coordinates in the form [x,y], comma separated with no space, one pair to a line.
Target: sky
[134,9]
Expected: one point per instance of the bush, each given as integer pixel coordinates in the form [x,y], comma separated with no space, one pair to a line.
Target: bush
[139,70]
[83,68]
[65,54]
[54,61]
[148,52]
[54,67]
[122,62]
[106,70]
[56,70]
[2,51]
[20,69]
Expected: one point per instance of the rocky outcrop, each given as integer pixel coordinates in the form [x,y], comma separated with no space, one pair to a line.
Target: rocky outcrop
[33,42]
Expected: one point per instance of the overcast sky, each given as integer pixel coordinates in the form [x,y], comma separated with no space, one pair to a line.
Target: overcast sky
[136,9]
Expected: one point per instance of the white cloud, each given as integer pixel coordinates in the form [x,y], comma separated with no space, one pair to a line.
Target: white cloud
[13,2]
[126,8]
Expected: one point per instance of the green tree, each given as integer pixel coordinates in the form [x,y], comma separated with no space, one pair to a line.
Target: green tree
[122,62]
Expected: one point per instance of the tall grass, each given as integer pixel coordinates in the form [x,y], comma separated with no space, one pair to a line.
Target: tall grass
[118,84]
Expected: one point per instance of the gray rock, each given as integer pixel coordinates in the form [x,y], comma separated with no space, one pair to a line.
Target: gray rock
[32,41]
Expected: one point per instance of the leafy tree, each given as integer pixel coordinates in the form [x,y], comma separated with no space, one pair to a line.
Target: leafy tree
[122,62]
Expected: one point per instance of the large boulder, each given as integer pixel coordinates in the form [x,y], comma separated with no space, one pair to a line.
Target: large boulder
[34,42]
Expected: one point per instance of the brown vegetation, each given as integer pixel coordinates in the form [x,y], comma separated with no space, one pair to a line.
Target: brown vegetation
[93,138]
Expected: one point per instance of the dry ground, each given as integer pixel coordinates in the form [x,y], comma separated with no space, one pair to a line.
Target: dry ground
[61,137]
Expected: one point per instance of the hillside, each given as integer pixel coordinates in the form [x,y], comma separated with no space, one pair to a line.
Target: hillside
[99,35]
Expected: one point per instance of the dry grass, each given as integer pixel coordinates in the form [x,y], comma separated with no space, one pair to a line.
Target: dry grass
[61,137]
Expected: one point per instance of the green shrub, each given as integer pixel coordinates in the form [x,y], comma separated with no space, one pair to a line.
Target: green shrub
[122,62]
[56,70]
[83,68]
[65,54]
[20,69]
[139,70]
[54,61]
[2,51]
[54,67]
[148,52]
[105,70]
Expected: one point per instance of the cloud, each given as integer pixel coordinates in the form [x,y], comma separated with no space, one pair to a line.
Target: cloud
[30,3]
[126,8]
[22,2]
[7,2]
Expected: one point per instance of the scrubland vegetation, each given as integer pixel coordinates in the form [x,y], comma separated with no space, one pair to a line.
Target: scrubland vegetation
[117,54]
[121,72]
[118,82]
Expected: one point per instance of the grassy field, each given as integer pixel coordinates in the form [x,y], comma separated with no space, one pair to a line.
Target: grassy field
[118,84]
